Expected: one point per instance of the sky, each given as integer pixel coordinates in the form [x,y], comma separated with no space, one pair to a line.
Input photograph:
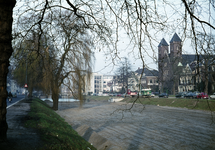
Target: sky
[103,66]
[103,63]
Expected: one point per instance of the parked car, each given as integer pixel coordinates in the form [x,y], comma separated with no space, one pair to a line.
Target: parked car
[165,95]
[212,96]
[190,95]
[180,95]
[95,94]
[202,95]
[155,93]
[119,94]
[152,95]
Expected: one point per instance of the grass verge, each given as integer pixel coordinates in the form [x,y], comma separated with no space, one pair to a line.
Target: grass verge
[198,104]
[54,131]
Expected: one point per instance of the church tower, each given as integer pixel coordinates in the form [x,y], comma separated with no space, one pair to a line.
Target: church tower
[168,63]
[163,50]
[175,47]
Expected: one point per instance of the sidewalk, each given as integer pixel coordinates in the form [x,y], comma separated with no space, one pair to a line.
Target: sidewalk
[19,137]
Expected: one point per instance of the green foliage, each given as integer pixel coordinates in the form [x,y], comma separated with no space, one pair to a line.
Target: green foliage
[54,131]
[98,98]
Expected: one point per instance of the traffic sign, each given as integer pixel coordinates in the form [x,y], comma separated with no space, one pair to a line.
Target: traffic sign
[26,86]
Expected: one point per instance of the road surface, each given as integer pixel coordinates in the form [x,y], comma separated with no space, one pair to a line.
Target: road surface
[15,100]
[151,128]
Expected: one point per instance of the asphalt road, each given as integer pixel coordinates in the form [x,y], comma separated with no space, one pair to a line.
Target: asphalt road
[14,100]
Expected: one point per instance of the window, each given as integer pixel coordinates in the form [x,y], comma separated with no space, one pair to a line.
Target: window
[150,80]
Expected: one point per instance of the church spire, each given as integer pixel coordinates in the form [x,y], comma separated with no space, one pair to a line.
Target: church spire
[175,38]
[163,43]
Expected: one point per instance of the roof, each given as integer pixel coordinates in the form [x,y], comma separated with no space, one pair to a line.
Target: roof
[147,72]
[163,43]
[188,58]
[191,59]
[175,38]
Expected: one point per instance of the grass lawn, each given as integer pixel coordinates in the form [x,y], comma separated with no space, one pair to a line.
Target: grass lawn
[53,130]
[199,104]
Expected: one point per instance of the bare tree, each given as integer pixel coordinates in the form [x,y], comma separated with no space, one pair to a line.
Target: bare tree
[123,72]
[143,21]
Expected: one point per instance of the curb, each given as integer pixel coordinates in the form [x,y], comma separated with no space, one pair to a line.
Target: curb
[15,103]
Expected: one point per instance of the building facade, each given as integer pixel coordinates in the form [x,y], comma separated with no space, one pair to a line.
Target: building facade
[182,72]
[100,84]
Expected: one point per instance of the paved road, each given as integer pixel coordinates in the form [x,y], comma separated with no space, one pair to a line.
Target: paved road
[152,128]
[15,100]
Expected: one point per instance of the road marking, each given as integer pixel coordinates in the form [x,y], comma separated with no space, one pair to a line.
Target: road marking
[14,103]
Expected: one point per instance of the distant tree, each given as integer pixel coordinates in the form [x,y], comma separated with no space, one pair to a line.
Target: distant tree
[205,67]
[122,73]
[27,64]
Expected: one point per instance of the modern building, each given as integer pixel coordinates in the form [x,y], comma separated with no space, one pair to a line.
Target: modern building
[95,85]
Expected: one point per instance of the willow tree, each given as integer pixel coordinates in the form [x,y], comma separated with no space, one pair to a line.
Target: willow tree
[142,21]
[72,55]
[65,56]
[27,64]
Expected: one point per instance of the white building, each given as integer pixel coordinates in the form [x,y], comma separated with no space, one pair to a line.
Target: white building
[107,83]
[95,85]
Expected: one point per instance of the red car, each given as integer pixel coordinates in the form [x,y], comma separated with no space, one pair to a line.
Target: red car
[202,95]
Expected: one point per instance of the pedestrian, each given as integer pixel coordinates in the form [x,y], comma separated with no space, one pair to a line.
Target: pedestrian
[10,94]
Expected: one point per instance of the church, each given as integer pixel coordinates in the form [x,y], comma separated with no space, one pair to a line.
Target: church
[183,72]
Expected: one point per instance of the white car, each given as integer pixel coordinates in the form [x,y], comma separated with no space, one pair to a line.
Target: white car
[212,96]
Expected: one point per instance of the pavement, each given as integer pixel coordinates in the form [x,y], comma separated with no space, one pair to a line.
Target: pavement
[113,126]
[19,137]
[143,127]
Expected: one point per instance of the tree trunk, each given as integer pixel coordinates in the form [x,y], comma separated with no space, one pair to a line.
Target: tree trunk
[55,95]
[6,11]
[206,76]
[55,98]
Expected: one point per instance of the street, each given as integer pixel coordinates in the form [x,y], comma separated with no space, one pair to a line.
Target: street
[15,100]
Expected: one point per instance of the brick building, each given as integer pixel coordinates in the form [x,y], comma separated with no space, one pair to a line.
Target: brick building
[183,72]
